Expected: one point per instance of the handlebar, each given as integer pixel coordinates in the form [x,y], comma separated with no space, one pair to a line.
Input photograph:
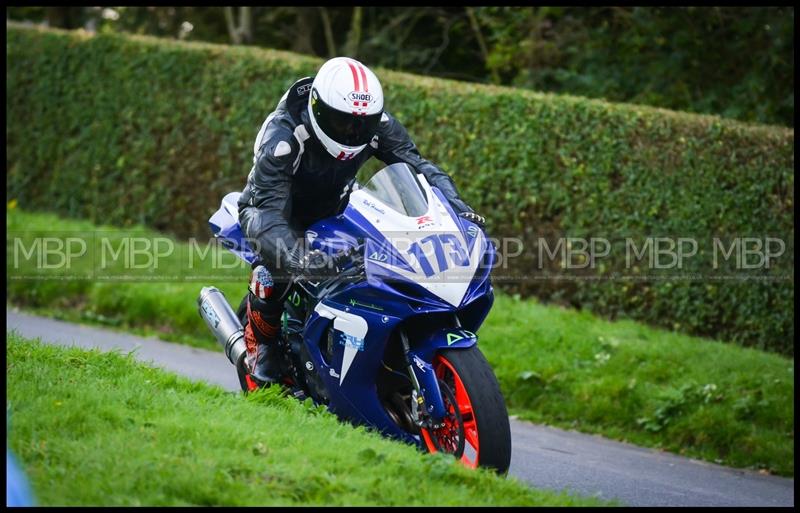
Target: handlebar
[354,272]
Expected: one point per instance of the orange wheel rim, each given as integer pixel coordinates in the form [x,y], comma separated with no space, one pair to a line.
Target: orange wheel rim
[471,452]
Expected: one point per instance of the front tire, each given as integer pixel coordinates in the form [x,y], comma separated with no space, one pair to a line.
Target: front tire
[481,419]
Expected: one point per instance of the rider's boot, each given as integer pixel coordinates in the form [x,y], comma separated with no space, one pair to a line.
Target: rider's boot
[261,360]
[261,333]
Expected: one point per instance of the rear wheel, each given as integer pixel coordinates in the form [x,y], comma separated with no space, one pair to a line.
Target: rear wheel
[476,428]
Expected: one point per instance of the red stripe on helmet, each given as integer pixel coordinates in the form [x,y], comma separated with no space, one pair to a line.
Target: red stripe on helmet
[364,77]
[356,85]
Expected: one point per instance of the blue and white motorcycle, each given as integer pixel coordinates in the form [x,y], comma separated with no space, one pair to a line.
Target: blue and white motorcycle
[391,341]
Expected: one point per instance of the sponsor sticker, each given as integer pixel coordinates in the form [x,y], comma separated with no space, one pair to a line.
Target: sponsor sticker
[373,206]
[354,302]
[351,341]
[455,336]
[424,222]
[378,257]
[211,314]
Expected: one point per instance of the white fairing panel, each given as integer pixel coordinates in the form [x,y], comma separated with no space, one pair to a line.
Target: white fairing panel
[451,275]
[230,203]
[353,327]
[227,216]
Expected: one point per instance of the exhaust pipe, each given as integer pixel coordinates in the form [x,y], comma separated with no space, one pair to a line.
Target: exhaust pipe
[223,323]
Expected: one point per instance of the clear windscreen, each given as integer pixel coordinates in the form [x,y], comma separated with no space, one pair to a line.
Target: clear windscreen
[397,187]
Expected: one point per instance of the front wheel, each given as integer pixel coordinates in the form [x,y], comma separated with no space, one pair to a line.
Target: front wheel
[476,429]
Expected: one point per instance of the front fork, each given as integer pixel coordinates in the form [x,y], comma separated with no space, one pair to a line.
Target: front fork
[427,407]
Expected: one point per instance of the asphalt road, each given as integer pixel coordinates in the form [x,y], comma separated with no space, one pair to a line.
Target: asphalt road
[543,456]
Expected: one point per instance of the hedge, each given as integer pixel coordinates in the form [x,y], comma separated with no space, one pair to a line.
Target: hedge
[132,129]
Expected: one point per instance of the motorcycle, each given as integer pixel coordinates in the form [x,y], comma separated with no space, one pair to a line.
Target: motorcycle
[390,341]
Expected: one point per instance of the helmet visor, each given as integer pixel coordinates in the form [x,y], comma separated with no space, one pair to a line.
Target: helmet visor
[347,128]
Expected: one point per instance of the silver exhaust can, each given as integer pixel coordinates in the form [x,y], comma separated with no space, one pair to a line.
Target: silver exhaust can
[223,323]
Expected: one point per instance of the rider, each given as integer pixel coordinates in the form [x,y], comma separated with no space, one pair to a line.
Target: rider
[306,156]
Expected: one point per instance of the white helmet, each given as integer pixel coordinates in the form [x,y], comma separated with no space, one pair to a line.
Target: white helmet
[345,106]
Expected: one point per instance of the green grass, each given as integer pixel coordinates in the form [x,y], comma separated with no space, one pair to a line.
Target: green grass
[705,399]
[702,398]
[93,428]
[144,303]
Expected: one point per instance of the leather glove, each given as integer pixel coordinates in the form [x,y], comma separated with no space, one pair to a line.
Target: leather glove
[261,283]
[318,265]
[475,218]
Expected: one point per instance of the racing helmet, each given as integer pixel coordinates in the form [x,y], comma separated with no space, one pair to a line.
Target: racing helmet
[345,106]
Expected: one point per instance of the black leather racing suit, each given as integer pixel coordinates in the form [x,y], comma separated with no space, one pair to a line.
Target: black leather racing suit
[295,182]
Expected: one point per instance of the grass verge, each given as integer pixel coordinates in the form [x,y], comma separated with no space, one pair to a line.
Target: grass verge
[103,429]
[698,397]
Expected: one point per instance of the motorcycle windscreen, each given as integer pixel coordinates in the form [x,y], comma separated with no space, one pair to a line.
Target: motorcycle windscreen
[398,188]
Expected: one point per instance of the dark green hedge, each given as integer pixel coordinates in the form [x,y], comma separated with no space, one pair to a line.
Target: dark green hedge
[132,129]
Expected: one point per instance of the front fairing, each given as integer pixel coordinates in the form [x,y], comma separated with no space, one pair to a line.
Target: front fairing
[437,259]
